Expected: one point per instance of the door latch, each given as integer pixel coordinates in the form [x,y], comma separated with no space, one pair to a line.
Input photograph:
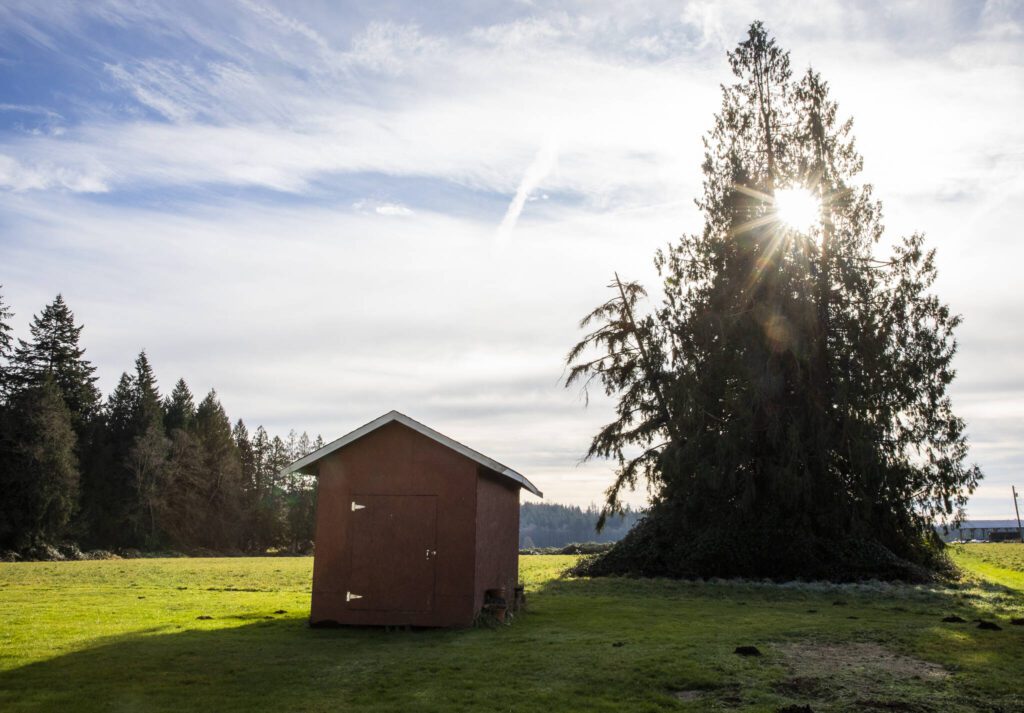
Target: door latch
[349,596]
[357,506]
[431,553]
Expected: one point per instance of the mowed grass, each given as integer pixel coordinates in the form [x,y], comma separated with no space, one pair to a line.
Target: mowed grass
[126,635]
[1002,563]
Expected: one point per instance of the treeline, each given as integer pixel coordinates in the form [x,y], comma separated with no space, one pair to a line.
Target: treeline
[137,469]
[553,525]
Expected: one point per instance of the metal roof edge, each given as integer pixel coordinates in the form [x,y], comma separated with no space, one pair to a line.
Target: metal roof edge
[390,416]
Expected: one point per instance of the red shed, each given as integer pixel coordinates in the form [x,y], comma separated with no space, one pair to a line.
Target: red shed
[412,528]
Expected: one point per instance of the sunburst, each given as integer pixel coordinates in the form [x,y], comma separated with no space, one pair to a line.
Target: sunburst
[798,208]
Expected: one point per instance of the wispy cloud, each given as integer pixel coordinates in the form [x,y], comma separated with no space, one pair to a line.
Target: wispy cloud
[536,172]
[30,109]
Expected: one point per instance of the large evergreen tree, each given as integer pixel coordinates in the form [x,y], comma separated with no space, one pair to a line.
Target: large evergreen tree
[786,402]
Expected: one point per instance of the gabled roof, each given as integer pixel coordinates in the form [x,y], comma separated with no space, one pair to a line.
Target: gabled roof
[304,465]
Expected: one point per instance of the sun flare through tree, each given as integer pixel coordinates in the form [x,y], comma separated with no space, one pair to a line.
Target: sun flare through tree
[797,208]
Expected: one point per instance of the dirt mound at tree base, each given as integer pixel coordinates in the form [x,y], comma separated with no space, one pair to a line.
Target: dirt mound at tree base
[649,550]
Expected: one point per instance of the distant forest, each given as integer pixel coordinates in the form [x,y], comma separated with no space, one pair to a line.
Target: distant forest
[138,469]
[158,472]
[553,525]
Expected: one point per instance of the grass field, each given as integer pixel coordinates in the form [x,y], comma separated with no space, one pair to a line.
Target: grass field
[126,635]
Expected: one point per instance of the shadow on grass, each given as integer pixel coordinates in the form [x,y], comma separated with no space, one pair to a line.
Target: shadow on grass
[279,664]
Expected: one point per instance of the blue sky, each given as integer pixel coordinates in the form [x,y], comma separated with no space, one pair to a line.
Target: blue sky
[330,210]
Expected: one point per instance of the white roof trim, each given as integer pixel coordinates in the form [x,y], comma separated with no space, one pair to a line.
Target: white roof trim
[302,464]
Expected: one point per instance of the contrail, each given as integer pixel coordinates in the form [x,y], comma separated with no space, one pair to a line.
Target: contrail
[541,166]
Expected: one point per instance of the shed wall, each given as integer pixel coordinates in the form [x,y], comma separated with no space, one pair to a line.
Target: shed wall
[395,460]
[497,537]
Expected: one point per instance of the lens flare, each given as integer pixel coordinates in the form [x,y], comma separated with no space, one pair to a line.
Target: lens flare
[797,208]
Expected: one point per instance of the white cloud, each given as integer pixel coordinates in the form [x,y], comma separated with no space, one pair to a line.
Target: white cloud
[393,209]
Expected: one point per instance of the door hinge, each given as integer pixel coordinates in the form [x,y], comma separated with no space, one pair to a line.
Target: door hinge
[357,506]
[349,596]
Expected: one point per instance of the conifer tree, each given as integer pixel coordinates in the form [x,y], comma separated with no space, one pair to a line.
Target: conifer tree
[786,402]
[145,455]
[120,407]
[39,474]
[6,344]
[246,456]
[222,473]
[54,351]
[184,502]
[301,513]
[301,500]
[147,462]
[183,516]
[250,491]
[147,406]
[180,408]
[106,485]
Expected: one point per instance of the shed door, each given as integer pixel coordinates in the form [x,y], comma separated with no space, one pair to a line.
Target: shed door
[393,540]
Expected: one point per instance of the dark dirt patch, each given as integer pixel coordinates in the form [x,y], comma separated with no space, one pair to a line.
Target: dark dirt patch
[989,626]
[617,644]
[747,651]
[954,619]
[803,687]
[865,673]
[1018,621]
[280,611]
[204,617]
[819,659]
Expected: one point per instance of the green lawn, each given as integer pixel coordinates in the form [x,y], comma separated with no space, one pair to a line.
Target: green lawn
[125,635]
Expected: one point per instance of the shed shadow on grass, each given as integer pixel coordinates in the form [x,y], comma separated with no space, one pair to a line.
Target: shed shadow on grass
[279,664]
